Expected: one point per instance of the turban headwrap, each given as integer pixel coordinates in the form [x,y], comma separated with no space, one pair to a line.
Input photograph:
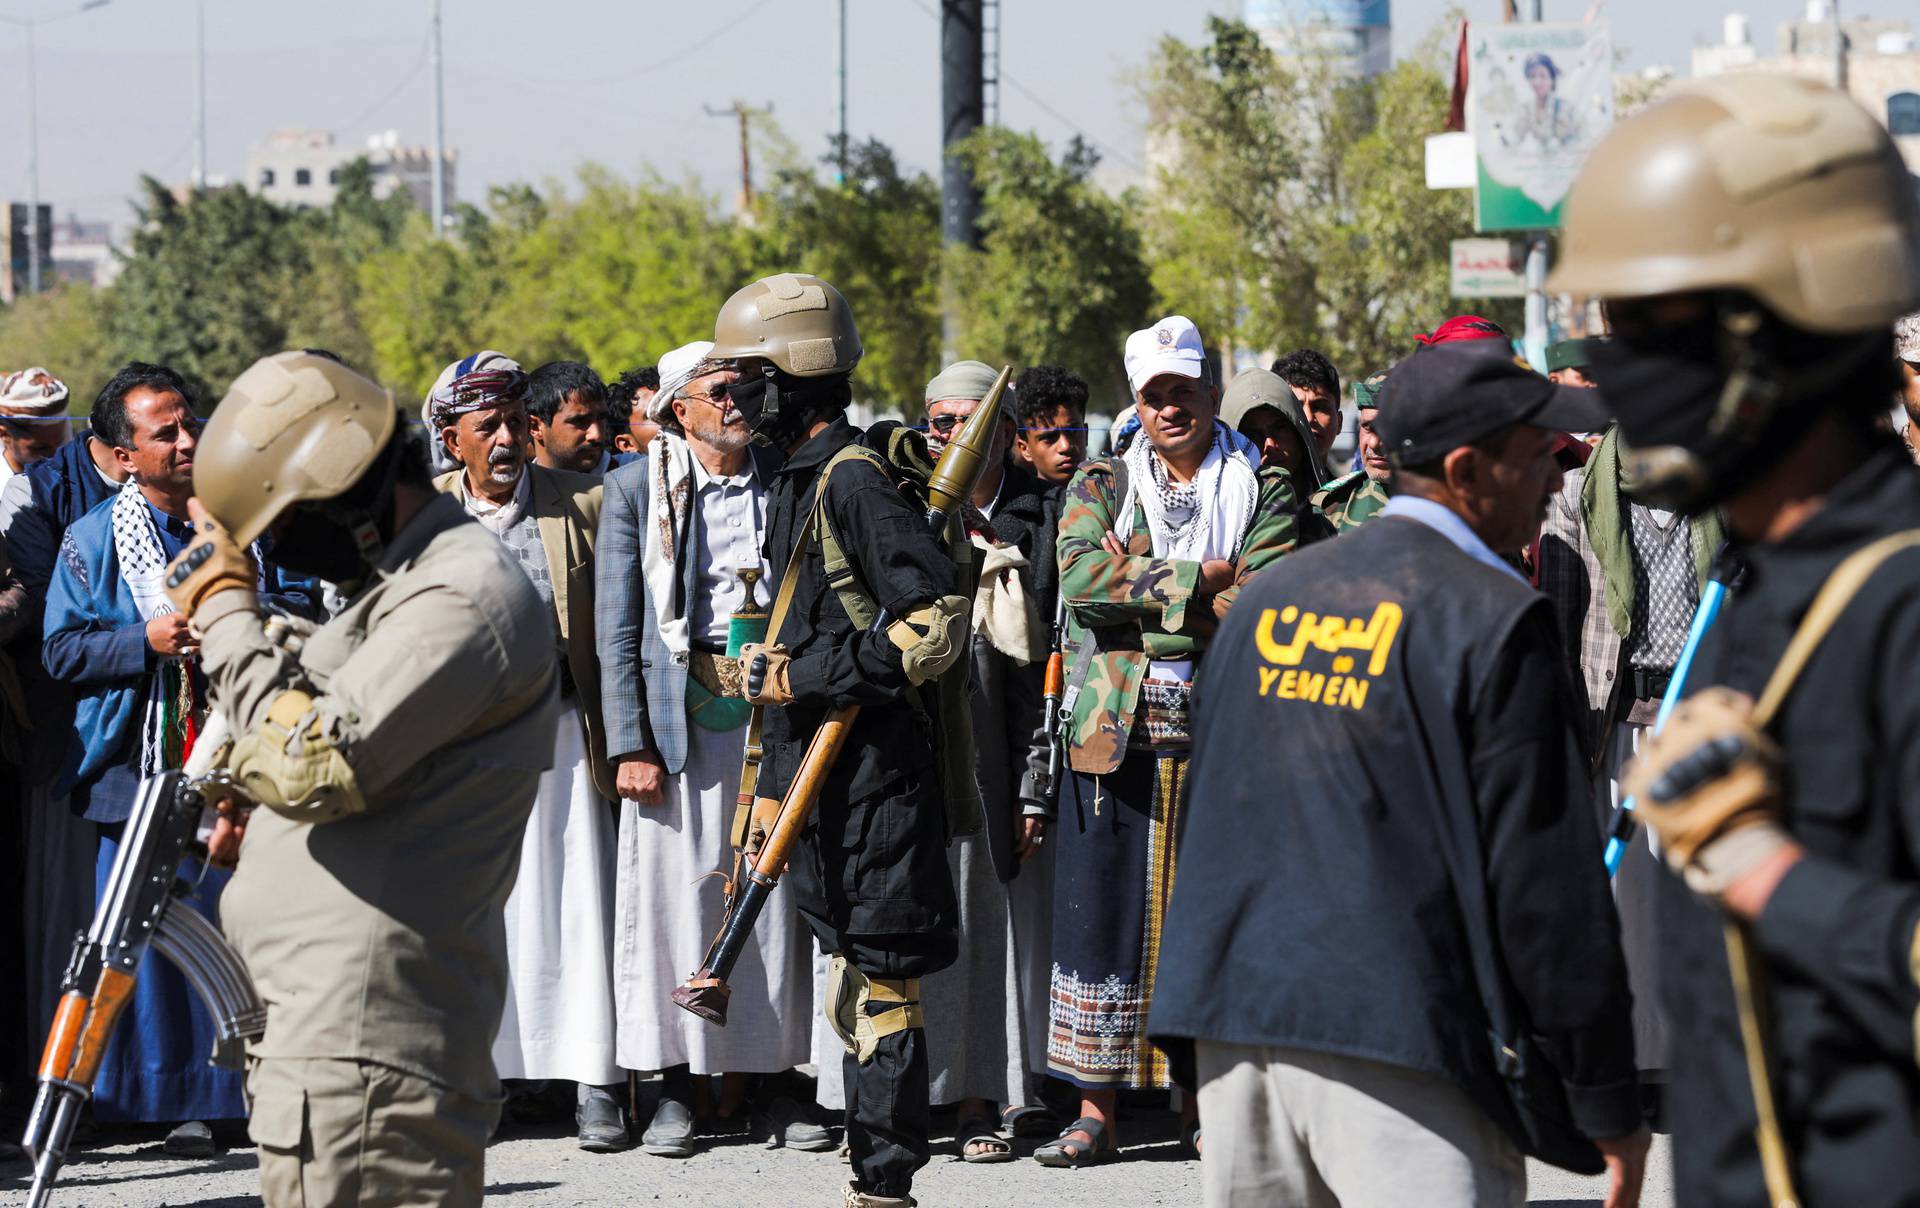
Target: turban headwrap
[476,391]
[1464,327]
[677,369]
[33,396]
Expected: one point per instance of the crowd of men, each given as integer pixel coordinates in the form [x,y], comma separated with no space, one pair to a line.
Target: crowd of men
[1306,818]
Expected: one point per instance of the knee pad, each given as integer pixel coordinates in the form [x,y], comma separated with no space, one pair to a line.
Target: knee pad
[863,1011]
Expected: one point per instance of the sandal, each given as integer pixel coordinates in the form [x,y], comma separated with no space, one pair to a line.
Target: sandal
[1190,1139]
[1066,1150]
[980,1131]
[1030,1120]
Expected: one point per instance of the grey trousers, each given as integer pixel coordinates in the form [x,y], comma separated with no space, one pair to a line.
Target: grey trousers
[343,1133]
[1293,1128]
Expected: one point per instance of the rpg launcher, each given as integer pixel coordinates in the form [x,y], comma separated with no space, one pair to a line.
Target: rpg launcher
[706,992]
[142,907]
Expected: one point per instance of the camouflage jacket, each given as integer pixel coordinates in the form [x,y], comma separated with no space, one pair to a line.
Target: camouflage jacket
[1350,501]
[1139,607]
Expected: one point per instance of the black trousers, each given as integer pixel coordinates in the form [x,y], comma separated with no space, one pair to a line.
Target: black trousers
[872,882]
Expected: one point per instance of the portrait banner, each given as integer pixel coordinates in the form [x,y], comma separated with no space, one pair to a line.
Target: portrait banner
[1538,98]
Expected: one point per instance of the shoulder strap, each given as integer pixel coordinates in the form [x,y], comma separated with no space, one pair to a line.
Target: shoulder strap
[1835,594]
[842,577]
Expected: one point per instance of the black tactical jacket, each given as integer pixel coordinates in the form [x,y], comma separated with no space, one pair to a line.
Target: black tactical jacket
[1838,935]
[883,534]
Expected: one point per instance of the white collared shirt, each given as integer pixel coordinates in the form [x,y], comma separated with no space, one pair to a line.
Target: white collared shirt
[1447,522]
[498,517]
[732,521]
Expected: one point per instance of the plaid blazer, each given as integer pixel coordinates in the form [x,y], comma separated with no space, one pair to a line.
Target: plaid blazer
[1571,577]
[643,684]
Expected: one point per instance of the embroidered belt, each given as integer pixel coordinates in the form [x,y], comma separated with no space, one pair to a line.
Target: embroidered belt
[1163,717]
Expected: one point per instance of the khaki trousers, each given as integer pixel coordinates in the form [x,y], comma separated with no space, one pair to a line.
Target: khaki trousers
[1298,1129]
[339,1133]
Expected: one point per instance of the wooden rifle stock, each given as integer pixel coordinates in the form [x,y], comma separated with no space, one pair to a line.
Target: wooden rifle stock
[705,993]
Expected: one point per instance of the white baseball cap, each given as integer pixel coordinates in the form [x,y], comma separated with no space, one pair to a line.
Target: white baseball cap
[1170,346]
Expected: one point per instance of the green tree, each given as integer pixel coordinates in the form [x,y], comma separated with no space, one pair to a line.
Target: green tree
[64,330]
[320,302]
[616,276]
[202,284]
[876,236]
[1292,207]
[1060,274]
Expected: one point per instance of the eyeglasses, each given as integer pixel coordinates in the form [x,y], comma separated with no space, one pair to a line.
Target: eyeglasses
[717,394]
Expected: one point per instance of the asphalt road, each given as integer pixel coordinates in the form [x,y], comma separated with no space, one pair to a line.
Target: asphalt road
[545,1168]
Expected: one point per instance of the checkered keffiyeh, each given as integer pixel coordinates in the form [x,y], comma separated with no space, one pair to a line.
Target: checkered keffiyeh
[476,391]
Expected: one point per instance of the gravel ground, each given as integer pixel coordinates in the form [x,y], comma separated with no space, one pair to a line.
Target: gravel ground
[545,1168]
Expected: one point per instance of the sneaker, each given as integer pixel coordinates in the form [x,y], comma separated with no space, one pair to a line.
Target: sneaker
[190,1140]
[603,1126]
[671,1133]
[784,1122]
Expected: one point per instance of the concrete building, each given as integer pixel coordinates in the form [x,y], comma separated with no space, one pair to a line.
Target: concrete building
[1354,36]
[1881,62]
[16,256]
[83,252]
[301,168]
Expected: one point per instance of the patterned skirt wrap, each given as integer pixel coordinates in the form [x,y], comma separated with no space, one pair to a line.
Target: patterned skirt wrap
[1114,868]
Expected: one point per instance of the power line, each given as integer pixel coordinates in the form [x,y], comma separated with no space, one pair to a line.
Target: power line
[1049,110]
[412,72]
[677,55]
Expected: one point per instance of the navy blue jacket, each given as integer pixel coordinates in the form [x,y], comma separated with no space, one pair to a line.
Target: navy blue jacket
[1365,697]
[61,489]
[95,639]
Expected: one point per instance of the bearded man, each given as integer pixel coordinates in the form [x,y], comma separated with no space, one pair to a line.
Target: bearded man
[690,514]
[558,1022]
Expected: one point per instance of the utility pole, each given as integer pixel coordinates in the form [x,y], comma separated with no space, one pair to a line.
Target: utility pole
[33,231]
[1839,48]
[439,126]
[962,109]
[740,112]
[1535,337]
[840,91]
[199,94]
[33,173]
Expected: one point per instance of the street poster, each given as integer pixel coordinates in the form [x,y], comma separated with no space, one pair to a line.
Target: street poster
[1538,98]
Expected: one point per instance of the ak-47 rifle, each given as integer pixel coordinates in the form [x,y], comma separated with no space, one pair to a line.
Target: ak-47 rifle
[141,907]
[1053,721]
[706,992]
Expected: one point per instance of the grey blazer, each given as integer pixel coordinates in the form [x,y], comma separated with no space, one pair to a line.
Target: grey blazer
[643,685]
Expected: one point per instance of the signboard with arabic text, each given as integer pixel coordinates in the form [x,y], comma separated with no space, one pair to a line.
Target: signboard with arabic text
[1538,98]
[1488,268]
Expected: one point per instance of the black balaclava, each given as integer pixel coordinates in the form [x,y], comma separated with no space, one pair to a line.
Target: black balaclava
[1706,407]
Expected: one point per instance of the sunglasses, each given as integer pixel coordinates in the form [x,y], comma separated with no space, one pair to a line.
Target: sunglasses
[717,394]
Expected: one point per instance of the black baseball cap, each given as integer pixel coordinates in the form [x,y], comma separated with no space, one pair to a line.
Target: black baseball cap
[1448,395]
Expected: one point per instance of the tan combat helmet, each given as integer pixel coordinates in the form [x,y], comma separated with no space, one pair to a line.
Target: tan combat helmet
[1778,186]
[294,428]
[796,321]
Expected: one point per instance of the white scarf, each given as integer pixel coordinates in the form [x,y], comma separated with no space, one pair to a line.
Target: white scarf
[1228,490]
[669,507]
[1002,611]
[143,565]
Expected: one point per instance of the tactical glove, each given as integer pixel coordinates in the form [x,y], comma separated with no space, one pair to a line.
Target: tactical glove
[211,563]
[1709,785]
[765,669]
